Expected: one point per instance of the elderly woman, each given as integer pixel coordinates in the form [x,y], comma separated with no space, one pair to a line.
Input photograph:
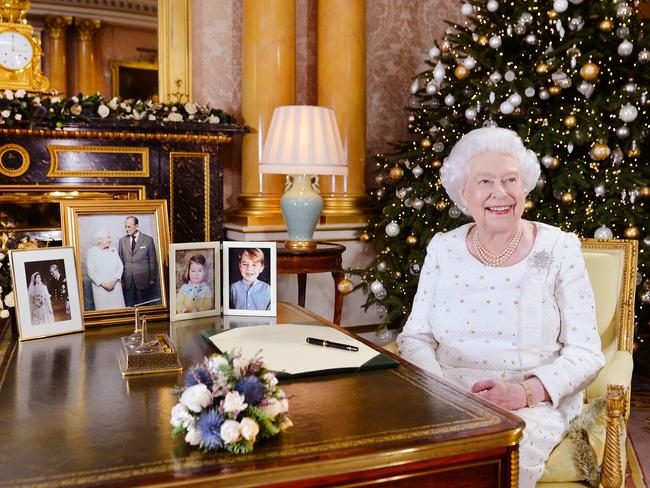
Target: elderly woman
[105,272]
[504,307]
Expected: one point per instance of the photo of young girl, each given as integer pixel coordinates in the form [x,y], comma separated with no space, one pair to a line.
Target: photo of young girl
[194,269]
[196,294]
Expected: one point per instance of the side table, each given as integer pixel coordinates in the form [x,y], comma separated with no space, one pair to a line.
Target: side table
[326,256]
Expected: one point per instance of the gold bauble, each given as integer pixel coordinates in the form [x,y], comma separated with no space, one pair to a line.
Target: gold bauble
[632,232]
[589,71]
[600,151]
[483,40]
[461,72]
[570,121]
[412,240]
[395,173]
[364,237]
[645,191]
[554,90]
[567,197]
[425,143]
[441,205]
[634,152]
[606,25]
[529,205]
[345,286]
[555,164]
[552,14]
[436,163]
[541,68]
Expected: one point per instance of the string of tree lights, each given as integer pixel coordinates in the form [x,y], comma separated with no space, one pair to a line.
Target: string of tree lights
[571,77]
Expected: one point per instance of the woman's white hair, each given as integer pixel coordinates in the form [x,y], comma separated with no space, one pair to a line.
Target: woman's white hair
[455,170]
[101,234]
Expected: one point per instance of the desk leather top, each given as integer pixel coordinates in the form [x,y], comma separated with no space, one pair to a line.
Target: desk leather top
[68,417]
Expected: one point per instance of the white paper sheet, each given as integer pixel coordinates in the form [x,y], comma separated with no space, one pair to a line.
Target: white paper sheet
[284,347]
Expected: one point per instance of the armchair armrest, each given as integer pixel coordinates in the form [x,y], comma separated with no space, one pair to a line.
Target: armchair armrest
[618,371]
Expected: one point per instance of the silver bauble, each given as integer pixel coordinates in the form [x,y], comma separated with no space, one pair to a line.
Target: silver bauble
[509,76]
[617,156]
[526,18]
[629,87]
[495,77]
[600,190]
[529,92]
[438,147]
[469,62]
[392,229]
[490,123]
[560,5]
[379,179]
[380,295]
[531,39]
[628,113]
[415,86]
[515,99]
[544,94]
[547,160]
[576,23]
[623,11]
[376,286]
[455,212]
[381,310]
[381,266]
[467,9]
[417,171]
[492,6]
[450,100]
[625,48]
[418,204]
[541,182]
[603,232]
[471,114]
[408,203]
[495,42]
[434,52]
[432,88]
[520,29]
[623,132]
[623,32]
[644,56]
[506,108]
[379,193]
[646,241]
[414,269]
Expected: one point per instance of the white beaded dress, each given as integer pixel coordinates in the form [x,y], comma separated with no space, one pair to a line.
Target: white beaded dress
[472,322]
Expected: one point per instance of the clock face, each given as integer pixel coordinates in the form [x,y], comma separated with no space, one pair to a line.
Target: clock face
[16,51]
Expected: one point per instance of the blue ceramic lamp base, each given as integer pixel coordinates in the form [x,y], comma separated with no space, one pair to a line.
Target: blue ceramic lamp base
[301,206]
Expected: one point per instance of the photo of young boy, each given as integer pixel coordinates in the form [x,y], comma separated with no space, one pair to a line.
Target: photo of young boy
[251,277]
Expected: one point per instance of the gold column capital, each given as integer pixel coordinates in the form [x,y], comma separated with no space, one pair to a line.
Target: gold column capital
[86,28]
[56,25]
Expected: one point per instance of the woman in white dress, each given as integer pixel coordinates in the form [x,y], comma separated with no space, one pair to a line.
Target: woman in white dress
[105,271]
[40,302]
[504,307]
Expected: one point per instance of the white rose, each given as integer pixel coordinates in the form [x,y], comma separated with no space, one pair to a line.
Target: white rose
[6,114]
[181,417]
[18,117]
[4,313]
[271,380]
[113,103]
[55,100]
[193,437]
[214,119]
[196,397]
[128,109]
[234,402]
[174,109]
[103,111]
[175,117]
[249,429]
[274,407]
[75,99]
[9,95]
[239,365]
[230,431]
[2,256]
[190,108]
[20,93]
[9,300]
[151,117]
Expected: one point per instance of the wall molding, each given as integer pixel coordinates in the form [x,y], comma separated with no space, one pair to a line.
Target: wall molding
[142,14]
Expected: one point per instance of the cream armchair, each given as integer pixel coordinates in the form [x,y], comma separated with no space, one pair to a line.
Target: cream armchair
[612,270]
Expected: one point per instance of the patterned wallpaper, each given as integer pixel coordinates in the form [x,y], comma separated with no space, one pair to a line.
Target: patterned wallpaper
[399,36]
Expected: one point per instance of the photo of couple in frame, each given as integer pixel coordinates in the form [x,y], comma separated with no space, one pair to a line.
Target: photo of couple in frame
[241,280]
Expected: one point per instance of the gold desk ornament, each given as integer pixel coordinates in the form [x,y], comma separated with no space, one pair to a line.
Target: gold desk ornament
[140,354]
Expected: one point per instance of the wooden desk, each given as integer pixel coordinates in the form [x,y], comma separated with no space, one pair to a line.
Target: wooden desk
[325,257]
[68,418]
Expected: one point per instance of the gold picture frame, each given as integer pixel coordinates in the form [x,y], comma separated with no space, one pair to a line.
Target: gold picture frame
[112,266]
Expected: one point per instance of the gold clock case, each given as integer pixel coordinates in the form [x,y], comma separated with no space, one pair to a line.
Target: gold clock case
[30,77]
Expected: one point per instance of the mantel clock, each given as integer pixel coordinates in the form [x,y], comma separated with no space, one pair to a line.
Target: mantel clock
[20,49]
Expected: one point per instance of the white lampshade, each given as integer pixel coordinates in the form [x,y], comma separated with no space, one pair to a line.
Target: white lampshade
[303,139]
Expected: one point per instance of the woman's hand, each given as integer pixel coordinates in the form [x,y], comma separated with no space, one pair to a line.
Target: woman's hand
[508,395]
[108,285]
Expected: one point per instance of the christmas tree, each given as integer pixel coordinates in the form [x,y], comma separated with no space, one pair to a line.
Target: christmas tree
[571,78]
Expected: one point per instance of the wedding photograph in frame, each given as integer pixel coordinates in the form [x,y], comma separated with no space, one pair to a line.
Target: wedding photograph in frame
[249,278]
[45,284]
[121,248]
[194,280]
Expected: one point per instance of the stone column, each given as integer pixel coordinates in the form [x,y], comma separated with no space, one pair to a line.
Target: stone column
[268,80]
[175,50]
[86,82]
[55,29]
[342,87]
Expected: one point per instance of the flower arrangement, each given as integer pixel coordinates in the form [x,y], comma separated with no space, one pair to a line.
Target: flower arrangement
[228,402]
[8,242]
[20,107]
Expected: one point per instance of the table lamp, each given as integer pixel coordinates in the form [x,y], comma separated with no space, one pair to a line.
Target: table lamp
[303,141]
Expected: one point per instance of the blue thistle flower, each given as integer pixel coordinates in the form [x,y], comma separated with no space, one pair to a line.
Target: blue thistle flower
[209,425]
[196,375]
[252,388]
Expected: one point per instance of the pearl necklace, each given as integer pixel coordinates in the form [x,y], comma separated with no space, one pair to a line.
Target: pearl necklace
[489,259]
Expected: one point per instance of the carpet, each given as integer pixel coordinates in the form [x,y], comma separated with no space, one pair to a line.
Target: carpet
[638,429]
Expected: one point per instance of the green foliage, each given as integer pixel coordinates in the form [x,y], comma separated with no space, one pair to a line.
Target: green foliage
[531,74]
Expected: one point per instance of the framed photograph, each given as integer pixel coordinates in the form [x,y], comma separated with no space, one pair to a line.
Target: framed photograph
[194,280]
[137,80]
[249,278]
[46,290]
[119,246]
